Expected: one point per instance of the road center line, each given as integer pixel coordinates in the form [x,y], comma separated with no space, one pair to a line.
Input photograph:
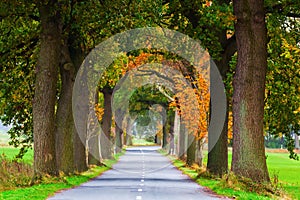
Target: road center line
[138,197]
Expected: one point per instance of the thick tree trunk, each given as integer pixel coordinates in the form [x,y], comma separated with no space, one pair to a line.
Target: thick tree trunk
[79,138]
[171,138]
[94,157]
[165,137]
[199,152]
[217,162]
[219,153]
[45,91]
[176,133]
[106,147]
[119,143]
[248,158]
[64,116]
[191,150]
[94,153]
[181,140]
[129,126]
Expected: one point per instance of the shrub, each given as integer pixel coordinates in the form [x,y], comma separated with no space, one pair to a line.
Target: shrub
[14,173]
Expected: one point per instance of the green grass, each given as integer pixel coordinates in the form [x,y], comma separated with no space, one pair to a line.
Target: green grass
[50,185]
[11,152]
[287,170]
[142,142]
[279,165]
[216,185]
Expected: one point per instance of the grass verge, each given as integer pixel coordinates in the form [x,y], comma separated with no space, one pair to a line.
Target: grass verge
[50,185]
[230,185]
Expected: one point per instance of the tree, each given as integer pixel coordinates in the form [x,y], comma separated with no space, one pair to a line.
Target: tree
[249,87]
[212,23]
[282,84]
[18,49]
[45,89]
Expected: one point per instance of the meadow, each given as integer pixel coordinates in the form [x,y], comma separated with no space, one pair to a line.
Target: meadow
[283,171]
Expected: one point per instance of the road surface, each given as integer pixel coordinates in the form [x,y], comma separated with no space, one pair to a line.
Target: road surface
[140,174]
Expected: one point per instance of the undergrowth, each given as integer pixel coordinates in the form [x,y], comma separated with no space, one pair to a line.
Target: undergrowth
[14,173]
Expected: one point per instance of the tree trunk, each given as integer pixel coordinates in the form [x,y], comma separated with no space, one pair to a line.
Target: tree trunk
[165,137]
[191,150]
[45,91]
[106,147]
[79,154]
[171,139]
[181,140]
[219,153]
[119,143]
[129,125]
[217,162]
[64,116]
[248,157]
[199,152]
[93,133]
[94,150]
[176,133]
[79,135]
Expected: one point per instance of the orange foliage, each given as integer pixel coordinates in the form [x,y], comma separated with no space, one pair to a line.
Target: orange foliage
[194,113]
[99,111]
[141,59]
[230,125]
[192,102]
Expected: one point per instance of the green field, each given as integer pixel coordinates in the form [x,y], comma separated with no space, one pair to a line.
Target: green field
[287,170]
[141,142]
[11,152]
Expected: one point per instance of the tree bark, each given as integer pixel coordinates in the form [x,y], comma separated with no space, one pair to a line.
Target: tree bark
[165,137]
[249,86]
[64,116]
[128,137]
[94,157]
[80,164]
[181,140]
[119,143]
[217,162]
[171,133]
[176,133]
[199,152]
[45,91]
[191,150]
[106,147]
[94,153]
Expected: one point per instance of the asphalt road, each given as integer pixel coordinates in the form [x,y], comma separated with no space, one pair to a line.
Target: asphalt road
[140,174]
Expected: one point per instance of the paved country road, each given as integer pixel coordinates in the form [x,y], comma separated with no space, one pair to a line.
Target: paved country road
[141,174]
